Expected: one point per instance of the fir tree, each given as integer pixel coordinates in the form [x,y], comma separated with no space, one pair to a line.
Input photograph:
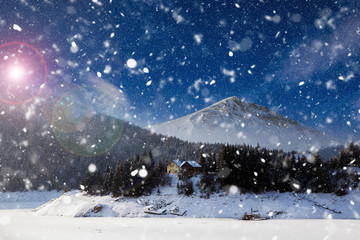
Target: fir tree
[354,155]
[108,179]
[185,186]
[318,180]
[117,184]
[344,158]
[202,162]
[93,182]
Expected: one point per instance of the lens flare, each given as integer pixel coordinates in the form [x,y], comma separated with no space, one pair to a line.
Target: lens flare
[16,73]
[79,129]
[23,73]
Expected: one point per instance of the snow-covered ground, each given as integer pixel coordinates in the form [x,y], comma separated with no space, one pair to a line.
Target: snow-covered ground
[31,199]
[221,205]
[272,204]
[230,204]
[72,215]
[22,224]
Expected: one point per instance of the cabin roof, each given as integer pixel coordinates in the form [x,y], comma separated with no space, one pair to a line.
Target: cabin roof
[192,163]
[177,162]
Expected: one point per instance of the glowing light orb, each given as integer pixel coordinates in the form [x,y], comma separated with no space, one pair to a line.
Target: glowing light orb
[16,73]
[23,73]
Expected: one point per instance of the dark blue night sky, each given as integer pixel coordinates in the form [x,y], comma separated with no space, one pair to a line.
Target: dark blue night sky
[298,58]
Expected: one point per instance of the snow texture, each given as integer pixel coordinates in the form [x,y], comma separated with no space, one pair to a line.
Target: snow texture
[26,200]
[230,204]
[75,215]
[25,225]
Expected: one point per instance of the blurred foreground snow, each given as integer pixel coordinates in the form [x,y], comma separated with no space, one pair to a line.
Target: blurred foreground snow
[22,224]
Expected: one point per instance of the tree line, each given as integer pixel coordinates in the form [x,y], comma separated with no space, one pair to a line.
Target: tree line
[250,169]
[132,177]
[255,169]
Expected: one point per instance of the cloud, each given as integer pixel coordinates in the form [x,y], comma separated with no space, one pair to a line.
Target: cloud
[322,53]
[103,96]
[196,86]
[244,45]
[330,85]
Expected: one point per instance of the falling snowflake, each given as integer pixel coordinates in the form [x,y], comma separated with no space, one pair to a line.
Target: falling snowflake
[131,63]
[92,168]
[17,27]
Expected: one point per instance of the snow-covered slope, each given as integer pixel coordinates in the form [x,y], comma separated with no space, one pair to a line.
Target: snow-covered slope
[271,205]
[236,122]
[26,200]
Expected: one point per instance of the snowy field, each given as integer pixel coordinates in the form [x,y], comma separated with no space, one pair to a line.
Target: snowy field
[23,224]
[218,217]
[23,200]
[271,205]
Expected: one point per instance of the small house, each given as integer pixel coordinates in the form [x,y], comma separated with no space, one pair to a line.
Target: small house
[190,168]
[173,167]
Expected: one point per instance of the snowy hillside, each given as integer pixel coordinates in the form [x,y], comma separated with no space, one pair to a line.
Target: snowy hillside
[26,200]
[237,122]
[271,205]
[77,215]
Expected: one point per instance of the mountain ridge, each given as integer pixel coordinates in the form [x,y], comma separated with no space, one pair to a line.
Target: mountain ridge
[235,121]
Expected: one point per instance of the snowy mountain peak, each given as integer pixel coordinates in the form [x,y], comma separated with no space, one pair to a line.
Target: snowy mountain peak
[237,122]
[240,111]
